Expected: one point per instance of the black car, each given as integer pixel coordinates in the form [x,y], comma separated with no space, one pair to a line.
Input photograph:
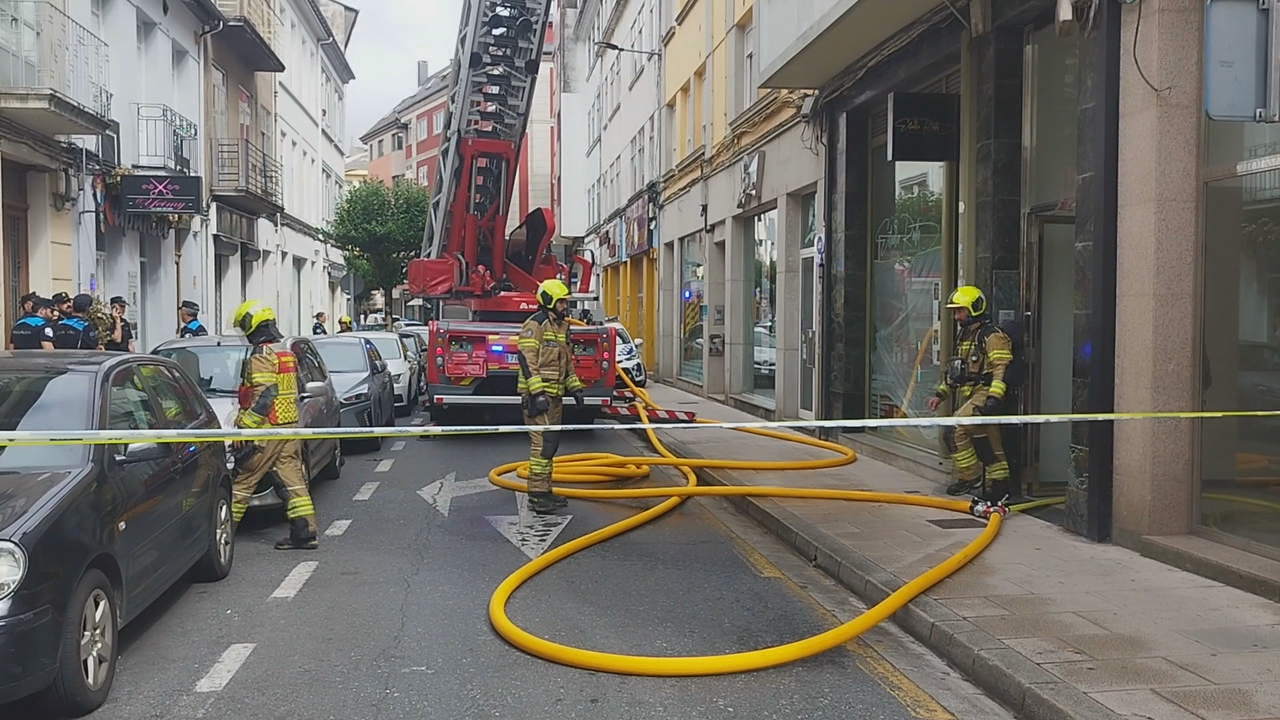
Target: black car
[90,535]
[363,383]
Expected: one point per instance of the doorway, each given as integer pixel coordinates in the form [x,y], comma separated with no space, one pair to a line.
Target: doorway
[1052,450]
[810,304]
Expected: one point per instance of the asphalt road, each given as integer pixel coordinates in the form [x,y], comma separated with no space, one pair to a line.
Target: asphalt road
[387,619]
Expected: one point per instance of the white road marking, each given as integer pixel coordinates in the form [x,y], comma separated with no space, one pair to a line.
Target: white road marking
[337,528]
[398,446]
[296,579]
[384,466]
[225,669]
[366,491]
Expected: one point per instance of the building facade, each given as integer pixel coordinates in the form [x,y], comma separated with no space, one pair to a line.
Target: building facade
[576,160]
[738,266]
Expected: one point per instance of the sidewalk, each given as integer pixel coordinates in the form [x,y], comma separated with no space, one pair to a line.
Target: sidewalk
[1051,625]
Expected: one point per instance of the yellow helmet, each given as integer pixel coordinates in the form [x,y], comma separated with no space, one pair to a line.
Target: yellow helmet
[250,315]
[970,298]
[345,319]
[552,291]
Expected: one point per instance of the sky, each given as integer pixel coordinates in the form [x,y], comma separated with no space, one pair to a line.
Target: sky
[390,37]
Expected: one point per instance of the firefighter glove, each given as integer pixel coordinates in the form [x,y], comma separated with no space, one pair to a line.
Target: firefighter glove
[538,404]
[990,407]
[578,398]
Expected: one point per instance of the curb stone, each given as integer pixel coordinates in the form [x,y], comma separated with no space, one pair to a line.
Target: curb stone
[1027,689]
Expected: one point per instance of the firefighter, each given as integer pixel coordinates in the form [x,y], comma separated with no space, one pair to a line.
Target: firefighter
[344,324]
[976,375]
[546,374]
[269,398]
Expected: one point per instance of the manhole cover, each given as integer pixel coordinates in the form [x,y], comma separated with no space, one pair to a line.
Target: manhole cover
[957,523]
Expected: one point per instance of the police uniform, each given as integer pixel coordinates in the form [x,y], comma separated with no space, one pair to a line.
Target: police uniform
[29,332]
[268,397]
[75,333]
[546,375]
[976,376]
[319,329]
[192,329]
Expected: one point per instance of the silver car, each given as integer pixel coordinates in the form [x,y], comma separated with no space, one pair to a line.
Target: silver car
[362,380]
[215,362]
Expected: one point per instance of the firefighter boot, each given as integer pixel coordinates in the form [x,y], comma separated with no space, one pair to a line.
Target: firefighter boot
[544,503]
[300,537]
[961,487]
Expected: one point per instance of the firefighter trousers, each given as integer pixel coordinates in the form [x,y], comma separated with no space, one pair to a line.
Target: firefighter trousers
[543,445]
[969,458]
[285,457]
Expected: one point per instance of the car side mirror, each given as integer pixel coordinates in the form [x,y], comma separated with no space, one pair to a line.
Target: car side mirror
[379,367]
[314,390]
[638,342]
[140,452]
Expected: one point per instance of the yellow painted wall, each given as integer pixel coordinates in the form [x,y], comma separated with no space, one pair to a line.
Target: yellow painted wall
[684,53]
[629,291]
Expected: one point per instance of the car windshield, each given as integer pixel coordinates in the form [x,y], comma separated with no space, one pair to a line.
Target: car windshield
[45,400]
[343,356]
[216,368]
[621,334]
[389,347]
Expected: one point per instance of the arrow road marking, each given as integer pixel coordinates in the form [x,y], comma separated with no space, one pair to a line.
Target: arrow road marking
[530,532]
[442,492]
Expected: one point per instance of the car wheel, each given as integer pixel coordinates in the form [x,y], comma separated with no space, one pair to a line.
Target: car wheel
[333,470]
[87,661]
[216,562]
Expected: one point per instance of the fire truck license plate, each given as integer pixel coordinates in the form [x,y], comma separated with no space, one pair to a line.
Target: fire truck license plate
[513,358]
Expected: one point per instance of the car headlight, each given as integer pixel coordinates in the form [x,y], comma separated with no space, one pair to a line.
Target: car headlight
[355,397]
[399,378]
[13,567]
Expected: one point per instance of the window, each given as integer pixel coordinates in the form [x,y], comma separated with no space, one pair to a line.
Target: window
[129,406]
[397,141]
[41,399]
[689,119]
[310,366]
[382,150]
[422,175]
[693,301]
[170,398]
[762,303]
[437,122]
[750,85]
[422,128]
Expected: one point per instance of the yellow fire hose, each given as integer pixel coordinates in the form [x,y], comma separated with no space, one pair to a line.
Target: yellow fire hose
[586,468]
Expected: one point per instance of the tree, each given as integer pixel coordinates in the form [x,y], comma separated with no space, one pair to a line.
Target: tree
[379,229]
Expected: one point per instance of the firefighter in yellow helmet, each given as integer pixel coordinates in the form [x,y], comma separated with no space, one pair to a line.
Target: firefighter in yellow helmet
[546,375]
[269,399]
[344,324]
[976,375]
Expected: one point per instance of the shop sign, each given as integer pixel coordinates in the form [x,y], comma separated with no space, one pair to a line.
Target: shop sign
[161,194]
[924,127]
[636,238]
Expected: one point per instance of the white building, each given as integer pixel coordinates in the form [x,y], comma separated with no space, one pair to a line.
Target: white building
[577,158]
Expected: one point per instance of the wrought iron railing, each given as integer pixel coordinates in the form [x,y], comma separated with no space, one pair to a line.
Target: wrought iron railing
[260,13]
[242,166]
[41,47]
[166,138]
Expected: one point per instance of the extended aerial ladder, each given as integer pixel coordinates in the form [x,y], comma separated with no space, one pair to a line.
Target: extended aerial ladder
[467,259]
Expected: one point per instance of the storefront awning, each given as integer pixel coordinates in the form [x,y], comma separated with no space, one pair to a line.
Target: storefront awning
[838,39]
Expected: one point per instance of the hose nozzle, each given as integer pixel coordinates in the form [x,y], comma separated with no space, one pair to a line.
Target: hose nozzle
[985,509]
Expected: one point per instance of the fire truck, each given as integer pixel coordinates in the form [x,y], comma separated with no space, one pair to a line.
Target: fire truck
[478,280]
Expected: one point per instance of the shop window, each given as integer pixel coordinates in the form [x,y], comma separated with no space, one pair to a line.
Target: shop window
[761,340]
[1240,457]
[693,261]
[906,288]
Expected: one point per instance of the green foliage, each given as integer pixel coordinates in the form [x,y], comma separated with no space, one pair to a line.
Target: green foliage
[379,229]
[922,206]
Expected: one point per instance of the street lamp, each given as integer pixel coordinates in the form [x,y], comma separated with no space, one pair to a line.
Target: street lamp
[614,47]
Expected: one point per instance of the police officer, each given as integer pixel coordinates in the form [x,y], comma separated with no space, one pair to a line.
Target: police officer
[75,332]
[976,375]
[26,305]
[318,328]
[33,331]
[269,398]
[188,314]
[546,374]
[61,306]
[122,339]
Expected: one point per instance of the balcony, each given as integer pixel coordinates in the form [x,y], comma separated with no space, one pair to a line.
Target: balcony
[246,178]
[250,32]
[166,139]
[53,71]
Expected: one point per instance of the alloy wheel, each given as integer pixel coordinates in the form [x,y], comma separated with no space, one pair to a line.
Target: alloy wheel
[222,531]
[97,640]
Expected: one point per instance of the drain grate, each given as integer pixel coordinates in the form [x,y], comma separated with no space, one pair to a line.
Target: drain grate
[957,523]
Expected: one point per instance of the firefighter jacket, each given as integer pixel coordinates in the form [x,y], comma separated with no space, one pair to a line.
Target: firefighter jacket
[268,388]
[983,353]
[546,365]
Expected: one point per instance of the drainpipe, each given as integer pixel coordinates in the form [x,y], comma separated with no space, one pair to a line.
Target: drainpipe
[320,150]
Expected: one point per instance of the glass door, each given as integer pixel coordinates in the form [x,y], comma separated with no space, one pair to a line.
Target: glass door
[810,299]
[1049,328]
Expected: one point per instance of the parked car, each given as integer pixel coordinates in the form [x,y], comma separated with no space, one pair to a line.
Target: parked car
[403,378]
[627,352]
[215,362]
[362,380]
[90,535]
[418,347]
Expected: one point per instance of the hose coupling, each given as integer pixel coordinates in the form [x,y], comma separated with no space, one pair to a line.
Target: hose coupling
[984,509]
